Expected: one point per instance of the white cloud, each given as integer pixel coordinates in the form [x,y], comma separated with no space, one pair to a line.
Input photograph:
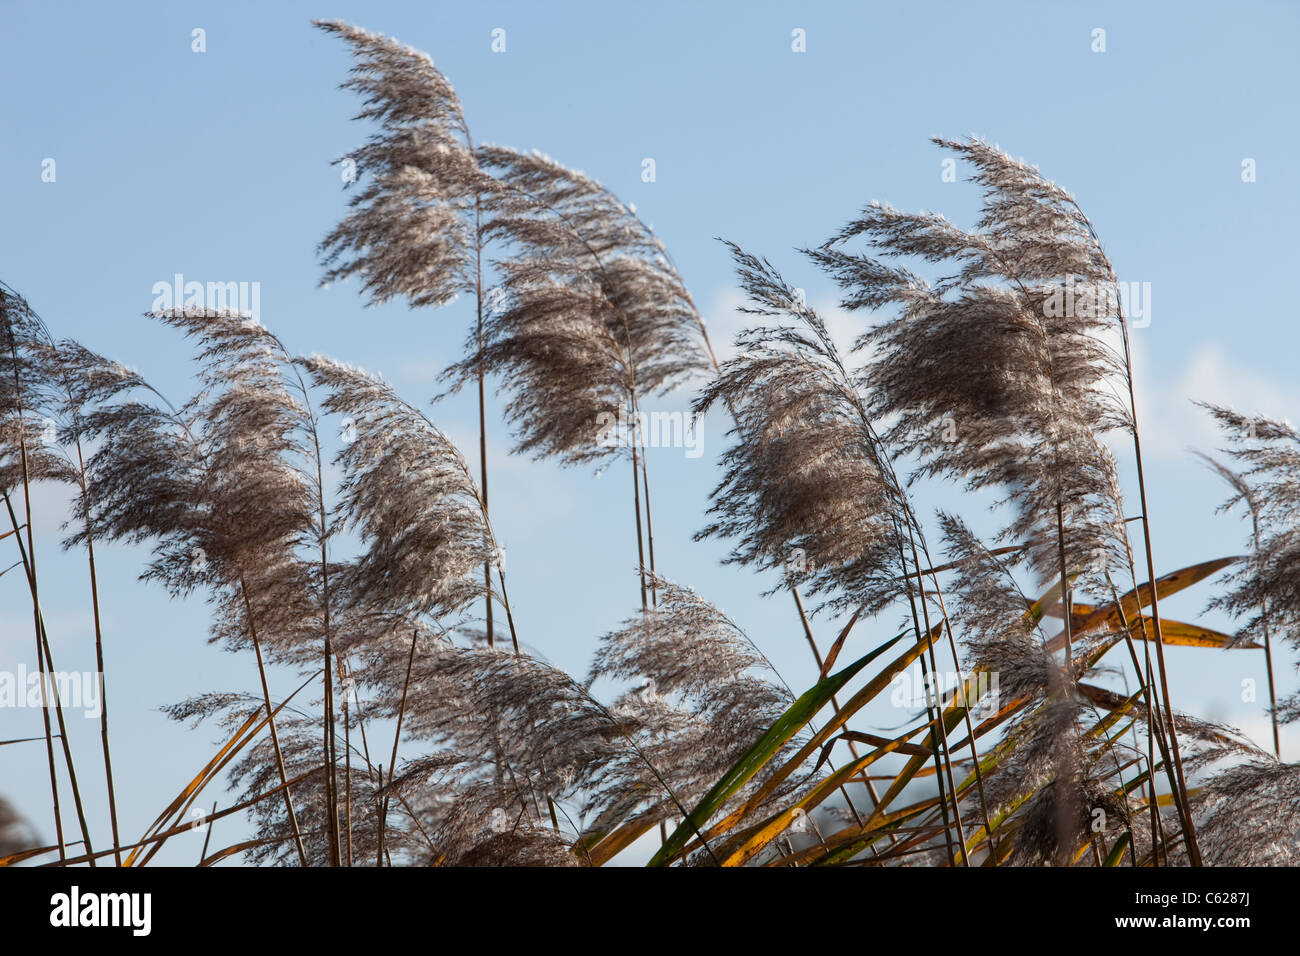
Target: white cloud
[723,319]
[1171,423]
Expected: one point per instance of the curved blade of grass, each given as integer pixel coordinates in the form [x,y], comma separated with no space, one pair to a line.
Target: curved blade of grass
[833,654]
[1108,615]
[235,743]
[21,855]
[238,741]
[1176,633]
[766,747]
[954,712]
[758,838]
[849,842]
[865,695]
[1116,854]
[618,841]
[241,847]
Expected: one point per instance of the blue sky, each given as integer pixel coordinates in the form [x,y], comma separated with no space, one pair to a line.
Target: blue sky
[217,165]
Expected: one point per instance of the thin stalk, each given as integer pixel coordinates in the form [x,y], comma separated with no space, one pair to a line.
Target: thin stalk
[347,761]
[1147,781]
[636,500]
[936,722]
[75,411]
[942,727]
[1065,798]
[331,756]
[207,836]
[1184,811]
[1065,584]
[1155,724]
[329,731]
[270,717]
[63,737]
[392,763]
[1268,637]
[45,710]
[649,526]
[31,578]
[835,705]
[1272,693]
[510,618]
[45,665]
[482,401]
[1180,797]
[970,726]
[365,744]
[365,756]
[103,693]
[1119,773]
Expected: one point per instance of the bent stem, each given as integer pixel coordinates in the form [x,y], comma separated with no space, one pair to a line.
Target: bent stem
[482,401]
[45,710]
[103,693]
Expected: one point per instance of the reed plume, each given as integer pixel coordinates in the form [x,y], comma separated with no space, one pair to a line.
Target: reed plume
[589,321]
[1251,814]
[999,373]
[220,487]
[991,374]
[411,497]
[702,695]
[418,228]
[26,455]
[810,484]
[806,490]
[1263,591]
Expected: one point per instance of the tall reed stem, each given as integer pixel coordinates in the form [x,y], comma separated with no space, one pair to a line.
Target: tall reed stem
[103,680]
[482,403]
[649,526]
[636,500]
[1184,810]
[45,710]
[50,688]
[270,718]
[347,759]
[1180,796]
[392,763]
[42,638]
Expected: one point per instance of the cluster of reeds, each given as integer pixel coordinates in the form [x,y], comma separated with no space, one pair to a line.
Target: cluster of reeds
[385,593]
